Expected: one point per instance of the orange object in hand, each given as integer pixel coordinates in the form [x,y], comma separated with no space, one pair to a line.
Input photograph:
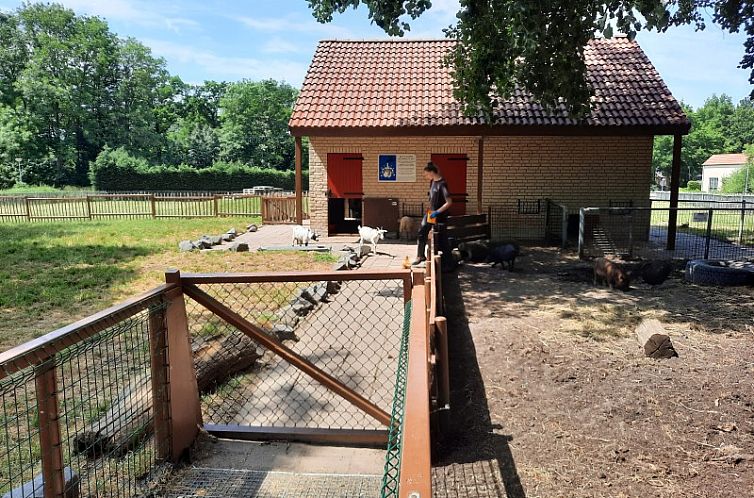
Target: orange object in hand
[429,217]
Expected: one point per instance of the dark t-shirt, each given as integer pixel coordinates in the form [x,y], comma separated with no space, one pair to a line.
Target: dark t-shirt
[438,195]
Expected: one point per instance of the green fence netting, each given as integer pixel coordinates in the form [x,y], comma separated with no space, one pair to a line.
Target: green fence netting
[392,474]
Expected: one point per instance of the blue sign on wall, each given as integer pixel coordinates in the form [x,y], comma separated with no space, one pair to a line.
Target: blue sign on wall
[388,169]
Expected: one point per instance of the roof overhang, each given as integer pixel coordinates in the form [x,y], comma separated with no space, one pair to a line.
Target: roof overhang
[490,131]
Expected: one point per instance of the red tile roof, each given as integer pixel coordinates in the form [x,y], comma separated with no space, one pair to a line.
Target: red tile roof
[725,159]
[404,84]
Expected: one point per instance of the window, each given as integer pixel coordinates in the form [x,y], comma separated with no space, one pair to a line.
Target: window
[713,184]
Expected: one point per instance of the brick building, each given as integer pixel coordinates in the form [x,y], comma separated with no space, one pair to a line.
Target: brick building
[376,112]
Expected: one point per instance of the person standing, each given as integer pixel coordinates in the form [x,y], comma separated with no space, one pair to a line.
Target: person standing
[439,204]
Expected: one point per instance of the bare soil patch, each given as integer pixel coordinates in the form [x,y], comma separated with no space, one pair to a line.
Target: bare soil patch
[552,395]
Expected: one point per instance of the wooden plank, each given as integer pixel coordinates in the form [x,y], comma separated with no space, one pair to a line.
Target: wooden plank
[51,450]
[41,348]
[376,438]
[286,353]
[158,349]
[185,408]
[304,276]
[468,231]
[468,219]
[299,184]
[416,477]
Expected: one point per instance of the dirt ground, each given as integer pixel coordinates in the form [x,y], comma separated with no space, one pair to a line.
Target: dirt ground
[552,396]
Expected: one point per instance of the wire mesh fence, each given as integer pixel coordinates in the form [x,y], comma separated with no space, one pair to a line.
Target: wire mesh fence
[702,232]
[529,221]
[350,330]
[87,410]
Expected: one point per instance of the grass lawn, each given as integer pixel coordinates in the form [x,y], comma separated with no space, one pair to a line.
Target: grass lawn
[725,223]
[56,273]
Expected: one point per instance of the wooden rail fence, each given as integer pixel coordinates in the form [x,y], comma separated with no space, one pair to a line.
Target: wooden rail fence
[271,208]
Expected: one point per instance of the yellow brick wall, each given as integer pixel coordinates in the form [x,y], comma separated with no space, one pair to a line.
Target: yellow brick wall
[577,171]
[370,148]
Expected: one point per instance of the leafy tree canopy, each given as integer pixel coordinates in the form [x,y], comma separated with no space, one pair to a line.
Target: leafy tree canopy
[539,45]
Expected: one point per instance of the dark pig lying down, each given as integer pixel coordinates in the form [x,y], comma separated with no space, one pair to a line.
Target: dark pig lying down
[612,274]
[503,254]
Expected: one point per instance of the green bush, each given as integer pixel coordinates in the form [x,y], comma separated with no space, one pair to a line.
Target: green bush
[116,170]
[694,186]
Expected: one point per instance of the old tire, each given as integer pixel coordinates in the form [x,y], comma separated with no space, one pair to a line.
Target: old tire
[722,273]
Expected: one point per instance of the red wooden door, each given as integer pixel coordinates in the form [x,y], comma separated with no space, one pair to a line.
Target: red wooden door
[453,169]
[344,176]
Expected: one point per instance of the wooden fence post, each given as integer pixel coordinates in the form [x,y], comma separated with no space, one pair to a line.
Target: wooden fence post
[89,207]
[28,208]
[158,348]
[153,204]
[51,450]
[215,204]
[185,410]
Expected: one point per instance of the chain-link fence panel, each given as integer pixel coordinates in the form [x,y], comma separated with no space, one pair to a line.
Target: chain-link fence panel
[349,330]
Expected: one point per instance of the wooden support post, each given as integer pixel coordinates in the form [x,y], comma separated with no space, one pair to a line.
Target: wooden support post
[158,348]
[299,184]
[89,207]
[185,410]
[51,450]
[675,180]
[407,286]
[444,371]
[153,205]
[28,208]
[215,206]
[480,176]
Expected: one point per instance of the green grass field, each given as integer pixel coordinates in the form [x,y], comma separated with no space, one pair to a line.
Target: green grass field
[54,273]
[726,224]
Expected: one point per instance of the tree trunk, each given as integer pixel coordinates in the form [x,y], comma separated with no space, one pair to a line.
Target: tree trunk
[128,421]
[654,339]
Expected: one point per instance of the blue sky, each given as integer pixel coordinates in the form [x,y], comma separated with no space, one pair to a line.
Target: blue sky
[256,39]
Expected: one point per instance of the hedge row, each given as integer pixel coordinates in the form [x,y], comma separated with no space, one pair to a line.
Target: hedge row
[116,170]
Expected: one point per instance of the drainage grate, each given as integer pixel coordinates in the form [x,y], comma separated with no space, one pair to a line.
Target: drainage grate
[229,483]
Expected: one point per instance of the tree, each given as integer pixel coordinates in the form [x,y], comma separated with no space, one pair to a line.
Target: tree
[741,181]
[255,124]
[539,46]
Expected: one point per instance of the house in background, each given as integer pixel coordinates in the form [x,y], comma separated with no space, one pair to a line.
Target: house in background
[718,167]
[376,112]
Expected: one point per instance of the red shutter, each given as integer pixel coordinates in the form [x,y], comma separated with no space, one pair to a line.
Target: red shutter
[344,176]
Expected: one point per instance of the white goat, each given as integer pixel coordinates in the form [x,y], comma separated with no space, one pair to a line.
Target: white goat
[370,236]
[302,236]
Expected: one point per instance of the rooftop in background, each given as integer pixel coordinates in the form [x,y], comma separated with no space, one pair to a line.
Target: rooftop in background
[388,84]
[725,159]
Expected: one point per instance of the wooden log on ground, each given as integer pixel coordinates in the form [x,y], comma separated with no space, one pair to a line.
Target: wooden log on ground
[128,421]
[653,337]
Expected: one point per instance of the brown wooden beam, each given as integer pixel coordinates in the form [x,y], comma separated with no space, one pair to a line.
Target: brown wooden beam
[675,180]
[340,437]
[286,353]
[158,350]
[480,175]
[494,131]
[299,184]
[416,476]
[253,278]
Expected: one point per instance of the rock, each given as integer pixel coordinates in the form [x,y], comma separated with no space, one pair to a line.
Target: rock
[203,243]
[252,228]
[348,249]
[283,332]
[232,231]
[216,240]
[332,287]
[239,247]
[319,293]
[287,316]
[228,237]
[301,306]
[186,245]
[346,262]
[308,294]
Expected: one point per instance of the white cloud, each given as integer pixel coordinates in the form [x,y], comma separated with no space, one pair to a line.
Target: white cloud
[277,45]
[229,68]
[291,25]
